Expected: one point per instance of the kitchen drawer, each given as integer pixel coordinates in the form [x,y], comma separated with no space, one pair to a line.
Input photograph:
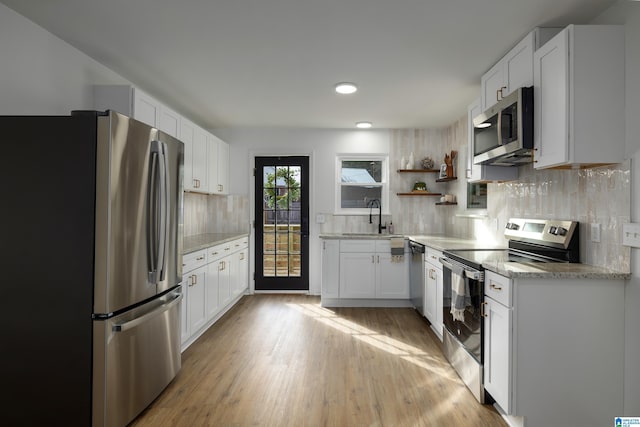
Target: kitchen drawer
[497,287]
[432,256]
[358,245]
[194,260]
[218,251]
[239,244]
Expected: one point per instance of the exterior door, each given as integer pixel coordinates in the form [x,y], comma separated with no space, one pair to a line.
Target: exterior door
[282,223]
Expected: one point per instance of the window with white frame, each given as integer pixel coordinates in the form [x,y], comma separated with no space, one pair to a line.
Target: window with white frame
[360,180]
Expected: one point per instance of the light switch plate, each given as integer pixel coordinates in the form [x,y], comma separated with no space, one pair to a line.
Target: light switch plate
[631,234]
[320,218]
[595,232]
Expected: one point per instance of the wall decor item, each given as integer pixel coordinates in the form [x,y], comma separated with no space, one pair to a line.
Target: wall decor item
[419,186]
[427,163]
[448,160]
[443,171]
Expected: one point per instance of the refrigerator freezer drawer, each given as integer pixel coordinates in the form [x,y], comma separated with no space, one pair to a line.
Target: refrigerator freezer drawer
[136,355]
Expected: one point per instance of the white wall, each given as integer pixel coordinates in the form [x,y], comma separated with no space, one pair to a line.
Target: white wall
[321,145]
[40,74]
[628,13]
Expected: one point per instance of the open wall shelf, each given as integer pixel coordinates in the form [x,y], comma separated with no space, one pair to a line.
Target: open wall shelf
[419,193]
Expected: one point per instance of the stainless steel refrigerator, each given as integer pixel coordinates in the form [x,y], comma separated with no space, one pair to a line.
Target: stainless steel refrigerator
[92,212]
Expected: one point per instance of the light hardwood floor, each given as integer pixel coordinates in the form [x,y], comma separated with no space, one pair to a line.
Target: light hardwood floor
[282,360]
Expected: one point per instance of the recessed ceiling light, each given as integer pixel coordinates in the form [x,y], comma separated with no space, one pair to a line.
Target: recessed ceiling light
[346,88]
[364,125]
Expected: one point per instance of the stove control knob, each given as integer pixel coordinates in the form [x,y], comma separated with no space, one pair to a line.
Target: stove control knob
[553,230]
[561,231]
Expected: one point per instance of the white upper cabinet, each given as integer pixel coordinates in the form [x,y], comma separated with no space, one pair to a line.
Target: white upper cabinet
[206,157]
[484,173]
[579,98]
[195,157]
[169,122]
[144,108]
[218,163]
[127,100]
[514,70]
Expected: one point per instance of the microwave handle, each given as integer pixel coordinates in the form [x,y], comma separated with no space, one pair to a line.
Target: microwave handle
[499,127]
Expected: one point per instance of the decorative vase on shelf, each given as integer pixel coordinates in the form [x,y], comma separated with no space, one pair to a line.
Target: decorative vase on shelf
[403,163]
[411,163]
[427,163]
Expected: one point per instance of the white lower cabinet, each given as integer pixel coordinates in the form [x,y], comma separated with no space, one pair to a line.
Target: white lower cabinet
[357,275]
[497,339]
[194,282]
[433,290]
[362,270]
[549,343]
[330,269]
[214,279]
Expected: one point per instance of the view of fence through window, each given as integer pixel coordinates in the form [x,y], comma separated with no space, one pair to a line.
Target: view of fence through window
[281,221]
[361,181]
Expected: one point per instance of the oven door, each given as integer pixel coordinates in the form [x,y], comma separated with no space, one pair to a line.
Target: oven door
[469,332]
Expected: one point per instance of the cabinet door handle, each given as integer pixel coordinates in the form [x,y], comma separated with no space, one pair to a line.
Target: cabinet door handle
[373,259]
[221,266]
[220,188]
[499,94]
[378,259]
[194,280]
[482,312]
[241,256]
[431,273]
[495,287]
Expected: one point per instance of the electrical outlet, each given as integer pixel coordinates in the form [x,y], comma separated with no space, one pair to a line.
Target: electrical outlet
[631,234]
[595,232]
[320,218]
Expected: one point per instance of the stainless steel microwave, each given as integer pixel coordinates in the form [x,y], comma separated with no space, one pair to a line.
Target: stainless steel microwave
[503,134]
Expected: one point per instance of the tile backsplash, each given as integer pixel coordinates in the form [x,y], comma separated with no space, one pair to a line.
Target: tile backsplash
[590,196]
[601,195]
[215,214]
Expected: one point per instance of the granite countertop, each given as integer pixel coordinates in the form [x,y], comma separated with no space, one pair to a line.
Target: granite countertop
[508,269]
[203,241]
[359,236]
[444,243]
[553,270]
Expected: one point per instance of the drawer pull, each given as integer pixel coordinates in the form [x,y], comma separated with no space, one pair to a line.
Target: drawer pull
[200,258]
[495,287]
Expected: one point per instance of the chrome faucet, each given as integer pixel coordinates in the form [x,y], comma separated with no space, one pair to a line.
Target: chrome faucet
[376,203]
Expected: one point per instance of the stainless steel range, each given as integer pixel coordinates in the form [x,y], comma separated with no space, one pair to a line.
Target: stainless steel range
[530,241]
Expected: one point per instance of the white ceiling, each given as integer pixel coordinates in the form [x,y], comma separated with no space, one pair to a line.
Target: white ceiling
[274,62]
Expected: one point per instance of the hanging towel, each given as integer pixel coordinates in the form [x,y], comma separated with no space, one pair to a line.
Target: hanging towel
[397,249]
[460,297]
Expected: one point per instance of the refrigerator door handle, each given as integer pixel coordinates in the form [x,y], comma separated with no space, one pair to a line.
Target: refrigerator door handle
[152,214]
[121,327]
[158,212]
[164,211]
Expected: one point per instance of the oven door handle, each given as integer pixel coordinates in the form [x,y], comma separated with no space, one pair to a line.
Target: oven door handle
[470,273]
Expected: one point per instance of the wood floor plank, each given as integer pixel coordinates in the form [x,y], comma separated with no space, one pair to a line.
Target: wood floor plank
[282,360]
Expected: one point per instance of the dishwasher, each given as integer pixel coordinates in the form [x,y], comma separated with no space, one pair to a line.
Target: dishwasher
[416,276]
